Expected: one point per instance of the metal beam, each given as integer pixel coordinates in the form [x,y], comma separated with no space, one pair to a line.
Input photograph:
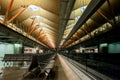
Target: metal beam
[90,10]
[101,14]
[8,10]
[33,29]
[64,17]
[19,13]
[39,34]
[15,9]
[30,27]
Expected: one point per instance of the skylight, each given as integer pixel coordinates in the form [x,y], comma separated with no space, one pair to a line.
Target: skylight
[36,17]
[77,17]
[83,8]
[33,8]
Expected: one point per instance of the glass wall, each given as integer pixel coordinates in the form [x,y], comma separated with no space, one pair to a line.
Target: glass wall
[5,48]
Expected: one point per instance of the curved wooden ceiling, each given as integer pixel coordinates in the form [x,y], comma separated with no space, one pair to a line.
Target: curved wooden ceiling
[40,19]
[46,16]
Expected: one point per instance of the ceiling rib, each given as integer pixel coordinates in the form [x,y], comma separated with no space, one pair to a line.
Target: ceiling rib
[91,8]
[64,17]
[30,27]
[15,9]
[8,10]
[15,16]
[100,13]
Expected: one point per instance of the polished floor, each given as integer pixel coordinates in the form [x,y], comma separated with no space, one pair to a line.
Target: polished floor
[60,71]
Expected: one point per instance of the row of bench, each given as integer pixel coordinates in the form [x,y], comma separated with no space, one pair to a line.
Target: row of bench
[17,57]
[41,64]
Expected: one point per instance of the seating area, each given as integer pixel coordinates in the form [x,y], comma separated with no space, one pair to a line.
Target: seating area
[40,66]
[17,57]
